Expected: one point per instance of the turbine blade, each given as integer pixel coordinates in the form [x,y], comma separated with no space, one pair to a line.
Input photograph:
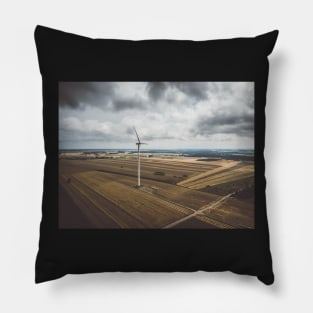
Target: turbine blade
[136,134]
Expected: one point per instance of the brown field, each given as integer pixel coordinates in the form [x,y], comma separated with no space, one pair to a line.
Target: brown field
[175,193]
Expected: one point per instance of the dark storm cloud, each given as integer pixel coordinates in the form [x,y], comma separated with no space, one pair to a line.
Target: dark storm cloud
[195,90]
[104,95]
[234,114]
[123,104]
[156,90]
[226,122]
[81,94]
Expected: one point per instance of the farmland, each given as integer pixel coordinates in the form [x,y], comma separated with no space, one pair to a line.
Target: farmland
[176,192]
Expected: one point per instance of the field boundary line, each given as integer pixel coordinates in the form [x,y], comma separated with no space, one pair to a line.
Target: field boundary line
[211,206]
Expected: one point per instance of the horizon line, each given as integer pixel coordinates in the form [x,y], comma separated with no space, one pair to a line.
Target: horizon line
[156,149]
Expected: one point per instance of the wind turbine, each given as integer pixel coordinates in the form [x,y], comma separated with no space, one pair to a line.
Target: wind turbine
[138,145]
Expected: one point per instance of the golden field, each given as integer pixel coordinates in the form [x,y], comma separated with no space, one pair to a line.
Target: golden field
[179,192]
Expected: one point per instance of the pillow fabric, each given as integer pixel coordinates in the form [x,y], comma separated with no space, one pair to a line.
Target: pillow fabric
[154,155]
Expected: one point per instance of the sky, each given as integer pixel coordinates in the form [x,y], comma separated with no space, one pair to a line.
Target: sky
[167,115]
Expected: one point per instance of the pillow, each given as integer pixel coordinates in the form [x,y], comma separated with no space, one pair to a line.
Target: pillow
[154,155]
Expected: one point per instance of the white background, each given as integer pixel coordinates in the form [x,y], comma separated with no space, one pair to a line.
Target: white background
[288,155]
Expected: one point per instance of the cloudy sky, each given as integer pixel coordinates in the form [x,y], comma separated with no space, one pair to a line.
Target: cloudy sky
[167,115]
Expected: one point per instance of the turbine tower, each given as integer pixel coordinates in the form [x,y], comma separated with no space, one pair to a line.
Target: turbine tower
[138,146]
